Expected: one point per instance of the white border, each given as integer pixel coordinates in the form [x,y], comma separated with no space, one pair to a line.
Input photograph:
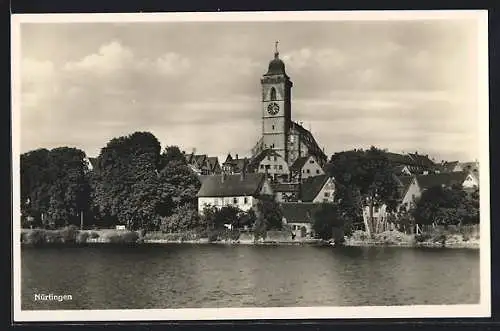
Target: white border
[483,309]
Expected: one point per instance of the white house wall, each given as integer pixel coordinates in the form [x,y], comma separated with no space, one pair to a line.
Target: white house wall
[220,202]
[329,190]
[311,168]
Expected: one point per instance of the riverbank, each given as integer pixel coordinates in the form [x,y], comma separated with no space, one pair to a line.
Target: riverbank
[72,235]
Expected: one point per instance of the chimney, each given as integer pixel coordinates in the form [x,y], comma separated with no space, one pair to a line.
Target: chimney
[236,156]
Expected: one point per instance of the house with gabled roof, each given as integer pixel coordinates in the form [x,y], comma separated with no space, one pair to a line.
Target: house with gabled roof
[235,165]
[286,192]
[305,167]
[299,218]
[318,189]
[242,190]
[421,183]
[202,164]
[271,163]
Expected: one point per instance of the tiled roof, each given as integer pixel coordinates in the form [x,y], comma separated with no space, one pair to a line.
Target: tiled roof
[299,163]
[308,139]
[311,187]
[398,158]
[285,187]
[469,166]
[446,179]
[447,166]
[249,184]
[213,161]
[297,212]
[421,160]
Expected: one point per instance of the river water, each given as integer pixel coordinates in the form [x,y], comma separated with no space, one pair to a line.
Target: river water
[207,276]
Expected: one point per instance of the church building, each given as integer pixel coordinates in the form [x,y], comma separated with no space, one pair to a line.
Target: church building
[280,133]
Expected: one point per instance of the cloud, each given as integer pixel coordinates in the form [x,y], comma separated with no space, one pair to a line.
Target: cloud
[314,58]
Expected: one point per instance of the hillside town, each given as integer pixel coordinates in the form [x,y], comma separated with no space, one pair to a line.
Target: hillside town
[286,165]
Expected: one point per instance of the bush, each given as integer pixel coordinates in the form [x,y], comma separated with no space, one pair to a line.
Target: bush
[223,235]
[94,235]
[392,237]
[81,237]
[422,237]
[34,237]
[359,235]
[68,234]
[439,238]
[123,238]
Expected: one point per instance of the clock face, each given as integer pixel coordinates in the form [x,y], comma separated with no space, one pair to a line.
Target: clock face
[273,108]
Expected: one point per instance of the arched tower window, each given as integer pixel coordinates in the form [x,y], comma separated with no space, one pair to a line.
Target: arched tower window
[273,93]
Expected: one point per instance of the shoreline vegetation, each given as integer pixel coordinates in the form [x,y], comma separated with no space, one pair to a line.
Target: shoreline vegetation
[74,236]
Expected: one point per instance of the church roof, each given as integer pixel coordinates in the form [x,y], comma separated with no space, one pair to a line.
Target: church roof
[276,66]
[249,184]
[307,139]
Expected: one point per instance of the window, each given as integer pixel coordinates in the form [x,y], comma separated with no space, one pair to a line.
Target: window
[311,161]
[245,200]
[317,171]
[308,171]
[235,201]
[327,194]
[269,158]
[268,166]
[273,127]
[262,166]
[281,167]
[273,93]
[275,167]
[275,158]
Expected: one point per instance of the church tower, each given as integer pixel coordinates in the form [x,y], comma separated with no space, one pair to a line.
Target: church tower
[276,106]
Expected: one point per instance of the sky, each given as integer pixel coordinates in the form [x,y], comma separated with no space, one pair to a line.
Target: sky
[401,85]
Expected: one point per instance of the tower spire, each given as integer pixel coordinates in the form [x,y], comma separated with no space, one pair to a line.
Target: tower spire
[276,53]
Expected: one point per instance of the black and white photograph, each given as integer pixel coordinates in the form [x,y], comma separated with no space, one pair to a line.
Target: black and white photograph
[250,165]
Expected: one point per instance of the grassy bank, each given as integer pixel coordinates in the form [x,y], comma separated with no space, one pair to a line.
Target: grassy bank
[72,235]
[395,238]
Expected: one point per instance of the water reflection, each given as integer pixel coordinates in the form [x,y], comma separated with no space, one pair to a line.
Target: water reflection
[175,276]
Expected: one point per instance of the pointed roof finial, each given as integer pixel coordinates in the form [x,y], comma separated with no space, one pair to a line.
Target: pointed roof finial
[276,53]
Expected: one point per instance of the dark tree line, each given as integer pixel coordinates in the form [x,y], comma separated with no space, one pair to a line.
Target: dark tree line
[132,183]
[55,188]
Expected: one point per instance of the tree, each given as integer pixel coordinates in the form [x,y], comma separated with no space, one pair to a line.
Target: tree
[370,173]
[178,183]
[126,185]
[328,222]
[268,216]
[54,184]
[446,206]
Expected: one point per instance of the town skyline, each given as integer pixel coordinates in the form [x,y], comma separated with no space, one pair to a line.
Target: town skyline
[368,84]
